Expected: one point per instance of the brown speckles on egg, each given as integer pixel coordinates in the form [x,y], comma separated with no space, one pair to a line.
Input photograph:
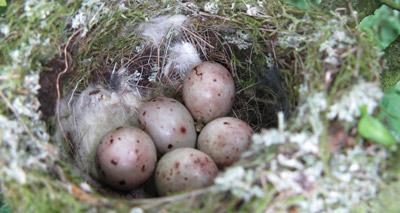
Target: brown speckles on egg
[118,162]
[219,94]
[226,134]
[144,113]
[188,169]
[119,128]
[215,80]
[114,162]
[137,141]
[168,121]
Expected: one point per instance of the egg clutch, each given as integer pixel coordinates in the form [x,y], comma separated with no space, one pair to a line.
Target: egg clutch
[126,156]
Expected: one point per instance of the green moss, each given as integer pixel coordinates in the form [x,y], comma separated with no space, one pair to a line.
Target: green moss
[363,8]
[391,76]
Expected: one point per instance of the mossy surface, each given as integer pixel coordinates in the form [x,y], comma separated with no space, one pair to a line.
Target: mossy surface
[391,75]
[363,8]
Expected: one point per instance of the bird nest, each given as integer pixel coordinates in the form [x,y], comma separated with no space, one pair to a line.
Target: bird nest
[300,77]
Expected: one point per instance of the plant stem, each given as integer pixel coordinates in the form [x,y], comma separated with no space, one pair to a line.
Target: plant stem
[391,4]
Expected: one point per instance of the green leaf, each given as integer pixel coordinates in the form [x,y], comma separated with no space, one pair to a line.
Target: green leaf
[391,109]
[3,3]
[5,209]
[372,129]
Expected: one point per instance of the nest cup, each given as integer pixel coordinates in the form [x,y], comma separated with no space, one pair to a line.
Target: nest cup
[155,64]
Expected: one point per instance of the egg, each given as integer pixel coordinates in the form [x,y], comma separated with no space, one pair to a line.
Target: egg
[224,139]
[125,158]
[208,91]
[184,169]
[169,123]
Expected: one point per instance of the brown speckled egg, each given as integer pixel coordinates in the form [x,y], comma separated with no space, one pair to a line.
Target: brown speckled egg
[184,169]
[125,158]
[169,123]
[224,139]
[208,91]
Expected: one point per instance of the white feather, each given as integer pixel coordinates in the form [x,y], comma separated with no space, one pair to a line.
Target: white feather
[95,112]
[182,58]
[157,28]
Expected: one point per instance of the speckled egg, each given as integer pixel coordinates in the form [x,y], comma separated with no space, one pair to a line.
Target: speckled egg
[125,158]
[184,169]
[224,139]
[169,123]
[208,91]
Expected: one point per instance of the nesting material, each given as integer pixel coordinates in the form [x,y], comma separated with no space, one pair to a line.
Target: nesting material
[183,57]
[86,118]
[157,28]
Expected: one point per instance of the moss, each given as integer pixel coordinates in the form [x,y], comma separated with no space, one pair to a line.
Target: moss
[391,75]
[364,8]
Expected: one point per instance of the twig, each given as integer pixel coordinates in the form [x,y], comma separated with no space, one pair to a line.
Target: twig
[198,37]
[151,203]
[353,13]
[72,94]
[312,5]
[220,17]
[391,4]
[58,83]
[6,77]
